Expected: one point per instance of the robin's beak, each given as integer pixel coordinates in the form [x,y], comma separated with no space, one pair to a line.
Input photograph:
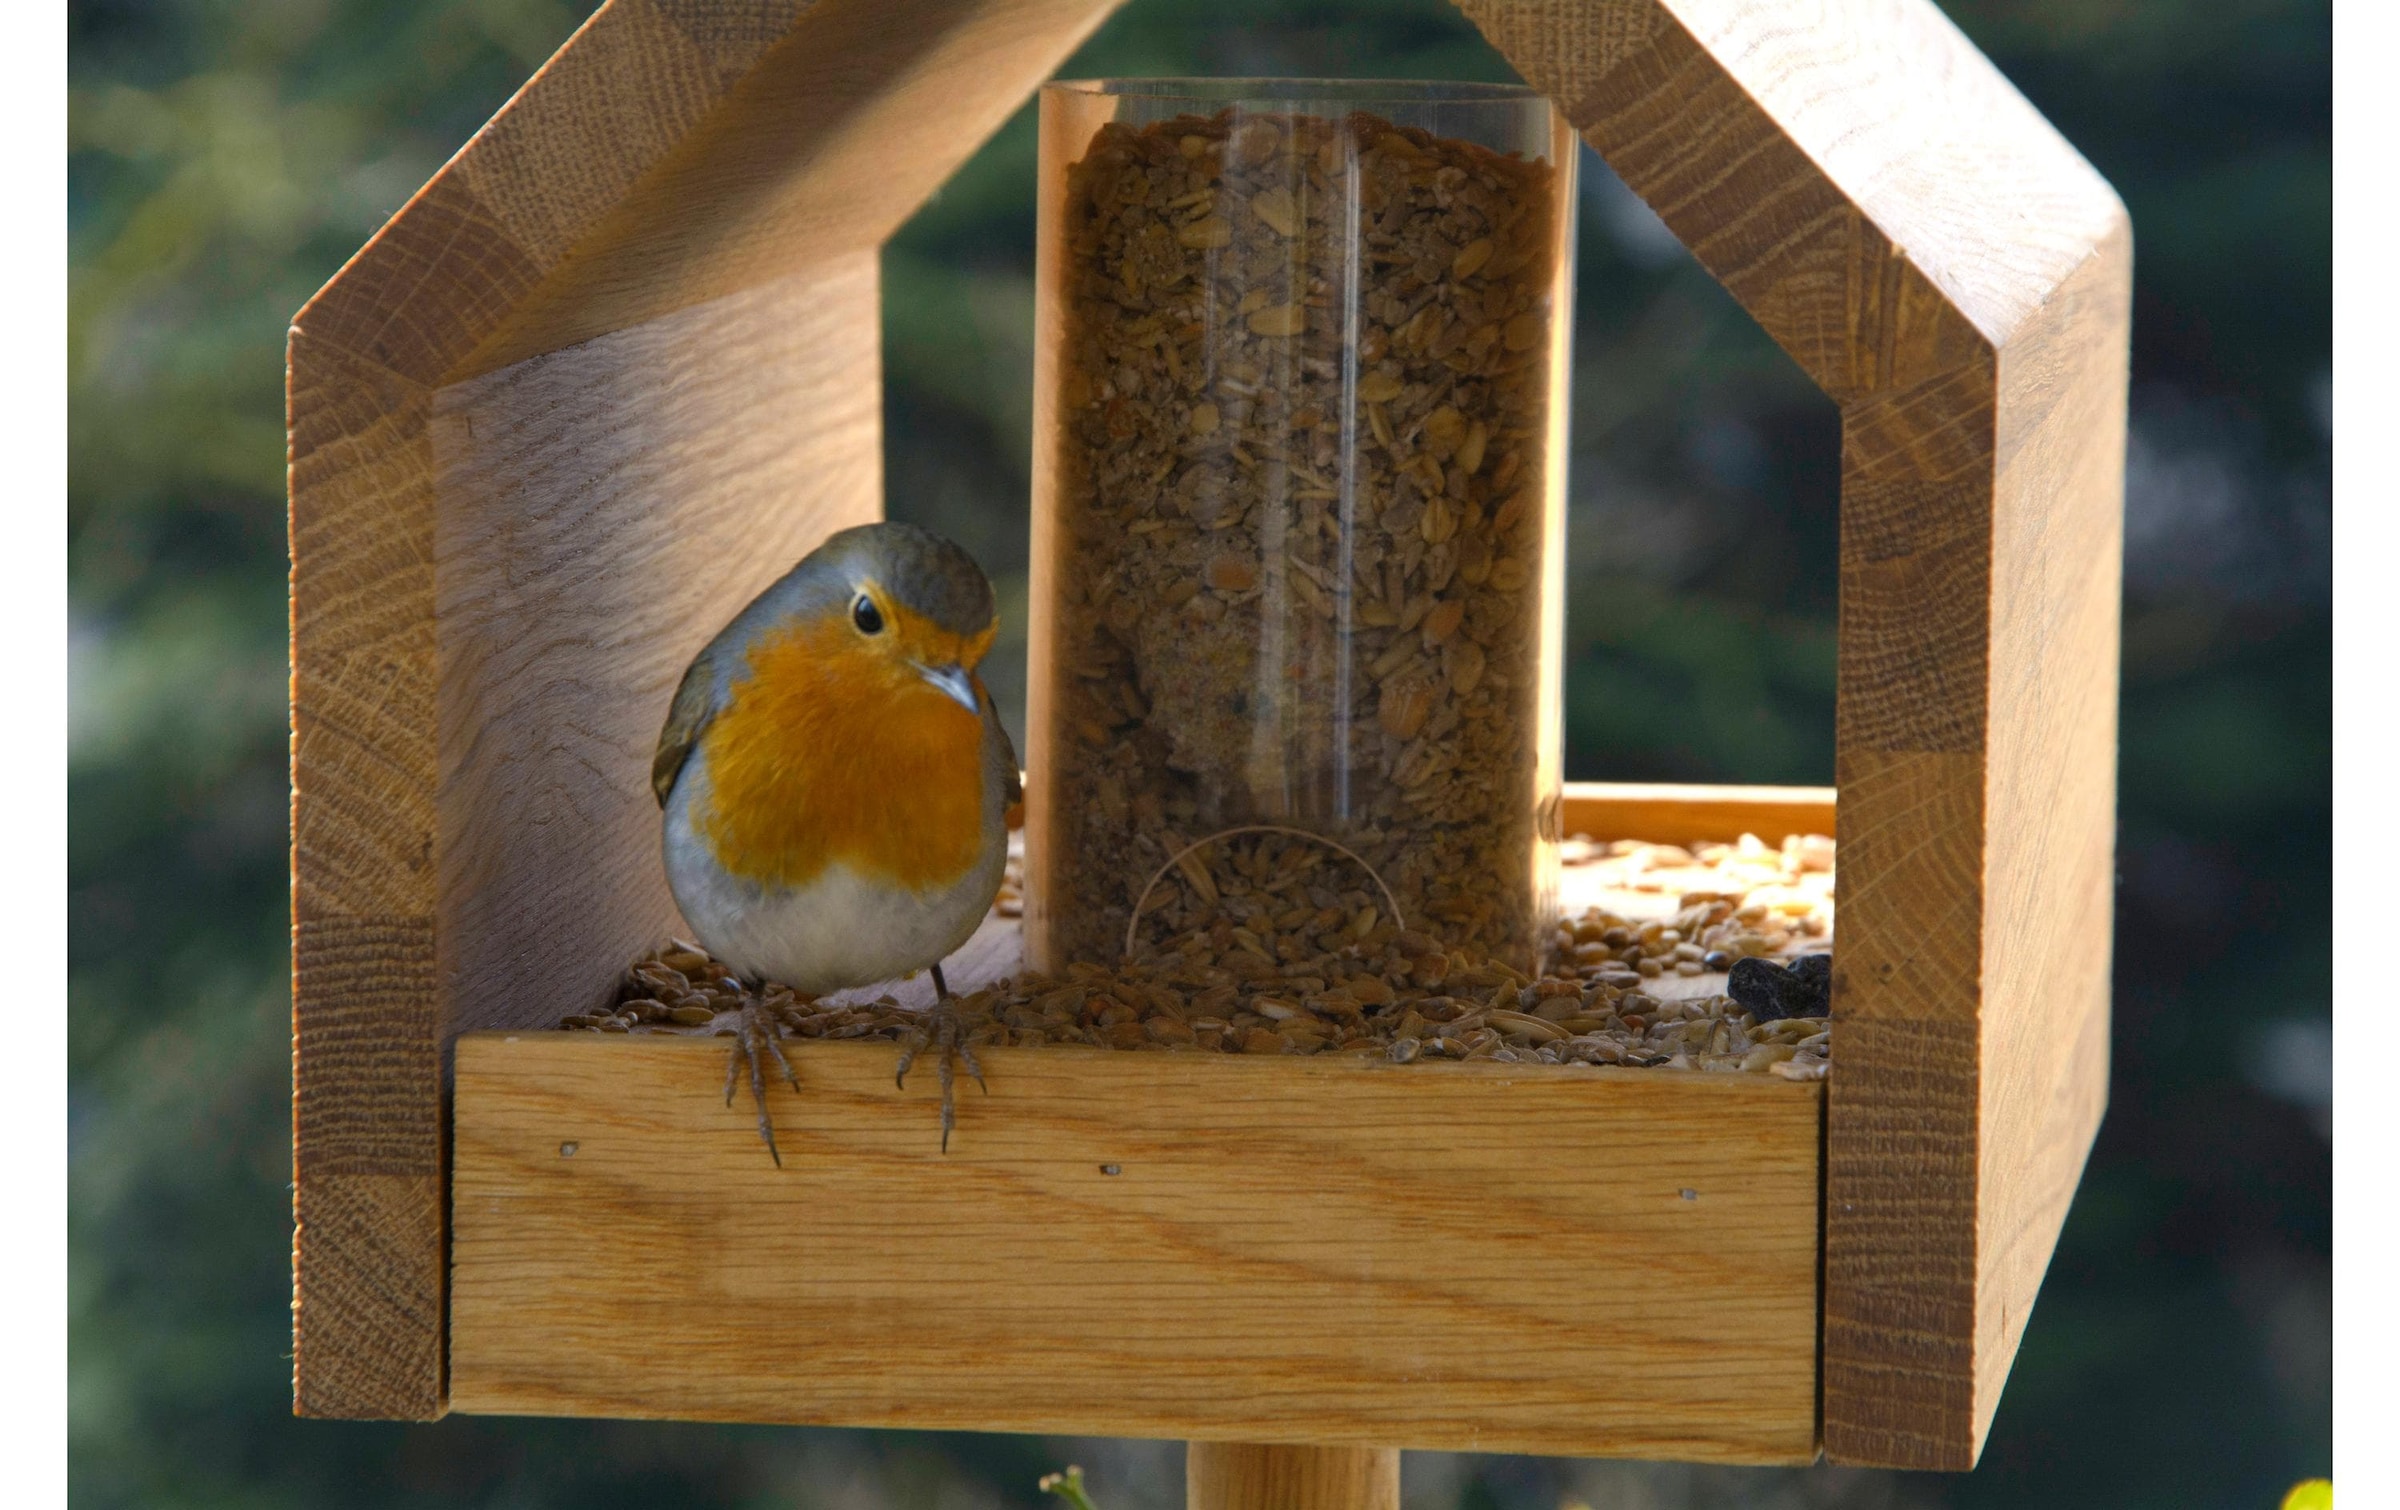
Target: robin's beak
[955,681]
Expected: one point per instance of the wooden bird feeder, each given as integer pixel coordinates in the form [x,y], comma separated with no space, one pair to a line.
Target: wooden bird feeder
[616,367]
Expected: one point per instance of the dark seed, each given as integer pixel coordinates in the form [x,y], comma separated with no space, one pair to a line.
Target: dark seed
[1772,993]
[1717,959]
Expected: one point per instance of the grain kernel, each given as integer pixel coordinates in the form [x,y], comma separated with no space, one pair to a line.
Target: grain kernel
[1440,521]
[1403,708]
[1276,207]
[1470,450]
[1463,662]
[1279,320]
[1443,621]
[1445,428]
[1206,234]
[1254,141]
[1231,573]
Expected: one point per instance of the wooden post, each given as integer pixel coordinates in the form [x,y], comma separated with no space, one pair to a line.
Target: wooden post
[1260,1476]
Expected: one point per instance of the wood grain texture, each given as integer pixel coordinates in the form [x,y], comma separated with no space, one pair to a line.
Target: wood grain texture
[675,151]
[2049,874]
[1260,1476]
[1313,1249]
[367,1122]
[824,145]
[1892,212]
[674,154]
[604,510]
[1944,265]
[1685,813]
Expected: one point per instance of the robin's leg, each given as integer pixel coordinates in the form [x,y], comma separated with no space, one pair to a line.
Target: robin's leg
[758,1028]
[944,1029]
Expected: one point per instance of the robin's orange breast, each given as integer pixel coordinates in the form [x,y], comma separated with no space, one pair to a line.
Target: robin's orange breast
[830,752]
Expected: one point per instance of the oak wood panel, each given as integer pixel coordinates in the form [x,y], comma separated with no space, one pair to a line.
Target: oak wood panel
[2049,872]
[1261,1476]
[1901,1194]
[672,153]
[367,1124]
[1910,230]
[1318,1250]
[603,511]
[828,141]
[1691,813]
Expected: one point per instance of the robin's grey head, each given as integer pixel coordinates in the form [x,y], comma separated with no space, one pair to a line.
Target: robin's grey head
[894,593]
[925,574]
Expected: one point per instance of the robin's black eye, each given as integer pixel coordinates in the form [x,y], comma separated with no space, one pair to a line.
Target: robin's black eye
[866,615]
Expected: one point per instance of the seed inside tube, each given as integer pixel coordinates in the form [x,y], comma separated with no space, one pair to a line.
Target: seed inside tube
[1207,233]
[1279,320]
[1276,207]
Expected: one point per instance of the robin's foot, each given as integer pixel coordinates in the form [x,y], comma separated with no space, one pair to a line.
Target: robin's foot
[758,1029]
[944,1030]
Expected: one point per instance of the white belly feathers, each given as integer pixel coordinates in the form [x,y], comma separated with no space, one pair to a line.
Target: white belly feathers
[838,931]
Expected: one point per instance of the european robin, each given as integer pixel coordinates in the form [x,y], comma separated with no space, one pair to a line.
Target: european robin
[835,784]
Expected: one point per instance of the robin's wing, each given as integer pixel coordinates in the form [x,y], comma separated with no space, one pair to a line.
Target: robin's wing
[687,718]
[1008,751]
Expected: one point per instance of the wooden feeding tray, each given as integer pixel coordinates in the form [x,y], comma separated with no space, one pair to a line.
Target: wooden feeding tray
[616,366]
[1521,1258]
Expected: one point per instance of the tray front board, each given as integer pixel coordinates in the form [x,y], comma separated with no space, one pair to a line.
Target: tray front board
[1492,1258]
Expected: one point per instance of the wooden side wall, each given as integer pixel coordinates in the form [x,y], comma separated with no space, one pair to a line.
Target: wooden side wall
[368,1125]
[603,510]
[672,158]
[2050,864]
[1945,266]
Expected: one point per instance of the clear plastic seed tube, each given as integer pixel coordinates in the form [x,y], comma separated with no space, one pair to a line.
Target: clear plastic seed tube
[1299,471]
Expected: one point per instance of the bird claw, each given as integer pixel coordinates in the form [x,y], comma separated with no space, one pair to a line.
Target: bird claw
[944,1030]
[758,1025]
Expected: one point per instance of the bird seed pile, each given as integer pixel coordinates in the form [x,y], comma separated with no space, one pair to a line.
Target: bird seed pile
[1293,959]
[1299,483]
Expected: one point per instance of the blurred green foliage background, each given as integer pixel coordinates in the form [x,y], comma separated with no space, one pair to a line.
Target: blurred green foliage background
[228,154]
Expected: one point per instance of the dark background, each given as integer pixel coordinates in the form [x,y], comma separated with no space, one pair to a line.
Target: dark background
[228,154]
